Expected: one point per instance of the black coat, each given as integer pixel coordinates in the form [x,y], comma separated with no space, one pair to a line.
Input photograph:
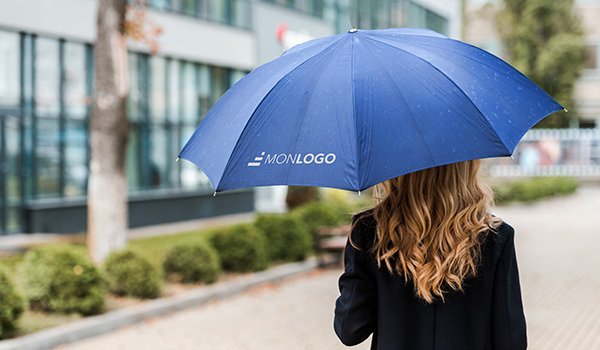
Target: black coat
[488,315]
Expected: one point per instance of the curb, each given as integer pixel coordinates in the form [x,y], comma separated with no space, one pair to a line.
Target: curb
[110,321]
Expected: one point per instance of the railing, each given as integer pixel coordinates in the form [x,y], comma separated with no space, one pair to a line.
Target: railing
[552,152]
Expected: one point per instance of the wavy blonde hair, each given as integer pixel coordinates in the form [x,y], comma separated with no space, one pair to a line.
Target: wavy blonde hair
[430,224]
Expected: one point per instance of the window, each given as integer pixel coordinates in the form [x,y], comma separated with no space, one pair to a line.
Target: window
[419,16]
[190,111]
[158,89]
[9,69]
[76,170]
[47,76]
[76,99]
[174,89]
[76,103]
[47,108]
[161,4]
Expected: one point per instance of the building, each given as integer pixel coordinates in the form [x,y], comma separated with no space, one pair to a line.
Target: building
[46,84]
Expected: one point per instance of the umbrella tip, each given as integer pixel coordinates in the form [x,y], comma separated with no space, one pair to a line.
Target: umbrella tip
[352,30]
[359,193]
[177,159]
[565,110]
[215,194]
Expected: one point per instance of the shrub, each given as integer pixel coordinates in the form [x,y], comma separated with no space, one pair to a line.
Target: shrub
[322,214]
[191,263]
[11,307]
[61,279]
[535,189]
[129,274]
[241,248]
[287,238]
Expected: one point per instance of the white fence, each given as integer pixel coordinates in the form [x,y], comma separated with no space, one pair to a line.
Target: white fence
[552,152]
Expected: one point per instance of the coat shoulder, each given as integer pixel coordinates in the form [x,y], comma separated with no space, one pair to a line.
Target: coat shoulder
[363,229]
[501,235]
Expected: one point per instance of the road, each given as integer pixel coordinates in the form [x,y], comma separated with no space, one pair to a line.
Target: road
[557,245]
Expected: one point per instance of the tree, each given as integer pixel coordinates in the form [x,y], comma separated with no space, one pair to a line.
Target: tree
[109,129]
[544,39]
[109,125]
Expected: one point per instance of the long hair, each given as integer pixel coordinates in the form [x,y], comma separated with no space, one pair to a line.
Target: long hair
[430,224]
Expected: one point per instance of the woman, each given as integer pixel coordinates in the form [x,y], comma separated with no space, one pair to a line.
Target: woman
[430,268]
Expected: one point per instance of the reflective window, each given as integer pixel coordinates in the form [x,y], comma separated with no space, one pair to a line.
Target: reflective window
[9,69]
[218,11]
[76,170]
[158,89]
[47,157]
[135,94]
[189,93]
[158,170]
[173,151]
[75,81]
[174,90]
[161,4]
[220,83]
[47,77]
[133,159]
[204,87]
[419,16]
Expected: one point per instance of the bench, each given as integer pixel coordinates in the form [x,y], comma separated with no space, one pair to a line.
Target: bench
[330,242]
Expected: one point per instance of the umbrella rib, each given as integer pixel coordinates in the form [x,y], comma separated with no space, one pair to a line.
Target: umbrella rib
[452,82]
[227,169]
[356,133]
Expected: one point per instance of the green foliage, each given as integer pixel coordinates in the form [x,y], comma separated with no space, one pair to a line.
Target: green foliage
[129,274]
[62,279]
[11,307]
[287,238]
[241,248]
[323,214]
[535,189]
[545,41]
[191,263]
[298,195]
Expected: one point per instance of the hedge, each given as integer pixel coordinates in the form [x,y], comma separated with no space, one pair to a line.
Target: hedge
[241,248]
[60,279]
[191,263]
[129,274]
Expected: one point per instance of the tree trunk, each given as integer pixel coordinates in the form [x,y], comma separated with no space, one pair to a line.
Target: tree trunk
[107,186]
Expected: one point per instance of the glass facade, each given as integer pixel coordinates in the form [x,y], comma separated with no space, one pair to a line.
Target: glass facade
[168,99]
[45,103]
[230,12]
[364,14]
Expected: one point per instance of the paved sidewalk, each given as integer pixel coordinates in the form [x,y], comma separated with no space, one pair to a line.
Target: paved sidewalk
[557,246]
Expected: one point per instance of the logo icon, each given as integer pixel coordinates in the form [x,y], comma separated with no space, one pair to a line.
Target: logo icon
[257,160]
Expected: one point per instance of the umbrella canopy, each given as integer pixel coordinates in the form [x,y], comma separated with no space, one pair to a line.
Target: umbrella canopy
[352,110]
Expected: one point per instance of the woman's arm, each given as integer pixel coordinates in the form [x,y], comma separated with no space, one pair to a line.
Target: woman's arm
[356,308]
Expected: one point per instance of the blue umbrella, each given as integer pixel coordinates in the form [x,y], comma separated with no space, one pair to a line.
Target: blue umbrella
[352,110]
